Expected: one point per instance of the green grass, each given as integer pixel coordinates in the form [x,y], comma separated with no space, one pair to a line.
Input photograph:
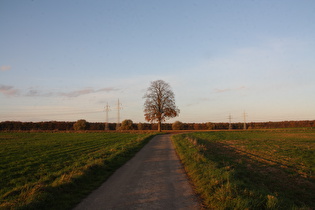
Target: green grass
[57,170]
[271,169]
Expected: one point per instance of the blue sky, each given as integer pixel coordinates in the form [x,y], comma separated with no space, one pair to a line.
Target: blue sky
[64,60]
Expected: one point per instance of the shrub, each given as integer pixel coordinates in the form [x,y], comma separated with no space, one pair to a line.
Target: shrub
[140,126]
[126,125]
[210,126]
[177,125]
[80,125]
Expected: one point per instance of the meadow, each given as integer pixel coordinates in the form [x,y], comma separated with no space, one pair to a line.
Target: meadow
[57,170]
[259,169]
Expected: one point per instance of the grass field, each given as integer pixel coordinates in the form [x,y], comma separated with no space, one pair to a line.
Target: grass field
[56,170]
[270,169]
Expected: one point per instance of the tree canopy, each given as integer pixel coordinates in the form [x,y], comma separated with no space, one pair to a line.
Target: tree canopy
[159,103]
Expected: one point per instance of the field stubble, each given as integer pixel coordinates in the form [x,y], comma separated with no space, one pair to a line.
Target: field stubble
[252,169]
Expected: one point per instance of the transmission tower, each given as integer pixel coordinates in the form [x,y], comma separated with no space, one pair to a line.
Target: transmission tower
[245,120]
[107,109]
[230,122]
[119,107]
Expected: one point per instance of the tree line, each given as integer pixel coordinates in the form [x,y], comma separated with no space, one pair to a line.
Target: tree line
[129,125]
[159,106]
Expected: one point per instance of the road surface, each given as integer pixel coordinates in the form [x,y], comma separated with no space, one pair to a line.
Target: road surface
[153,179]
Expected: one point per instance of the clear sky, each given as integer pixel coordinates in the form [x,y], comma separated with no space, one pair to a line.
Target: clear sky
[64,60]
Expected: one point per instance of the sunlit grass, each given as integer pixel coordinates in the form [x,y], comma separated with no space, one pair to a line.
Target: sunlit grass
[56,170]
[251,169]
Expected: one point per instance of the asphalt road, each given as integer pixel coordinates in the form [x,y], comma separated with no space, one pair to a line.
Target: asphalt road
[153,179]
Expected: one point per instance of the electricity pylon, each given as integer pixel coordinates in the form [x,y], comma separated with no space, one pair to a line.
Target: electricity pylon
[230,122]
[118,114]
[245,120]
[107,109]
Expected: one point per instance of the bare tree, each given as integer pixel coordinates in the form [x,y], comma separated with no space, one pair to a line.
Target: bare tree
[160,103]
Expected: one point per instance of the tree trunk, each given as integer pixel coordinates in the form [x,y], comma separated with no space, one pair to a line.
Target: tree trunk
[159,126]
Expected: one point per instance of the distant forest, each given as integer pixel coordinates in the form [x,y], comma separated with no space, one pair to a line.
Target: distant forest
[68,126]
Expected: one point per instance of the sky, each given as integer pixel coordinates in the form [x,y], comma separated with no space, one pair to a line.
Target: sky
[65,60]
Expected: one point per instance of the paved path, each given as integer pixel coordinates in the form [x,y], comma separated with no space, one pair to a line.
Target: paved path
[153,179]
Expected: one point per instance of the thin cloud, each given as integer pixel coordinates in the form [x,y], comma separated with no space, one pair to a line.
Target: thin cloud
[222,90]
[8,90]
[87,91]
[5,68]
[110,89]
[217,90]
[36,93]
[77,93]
[33,92]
